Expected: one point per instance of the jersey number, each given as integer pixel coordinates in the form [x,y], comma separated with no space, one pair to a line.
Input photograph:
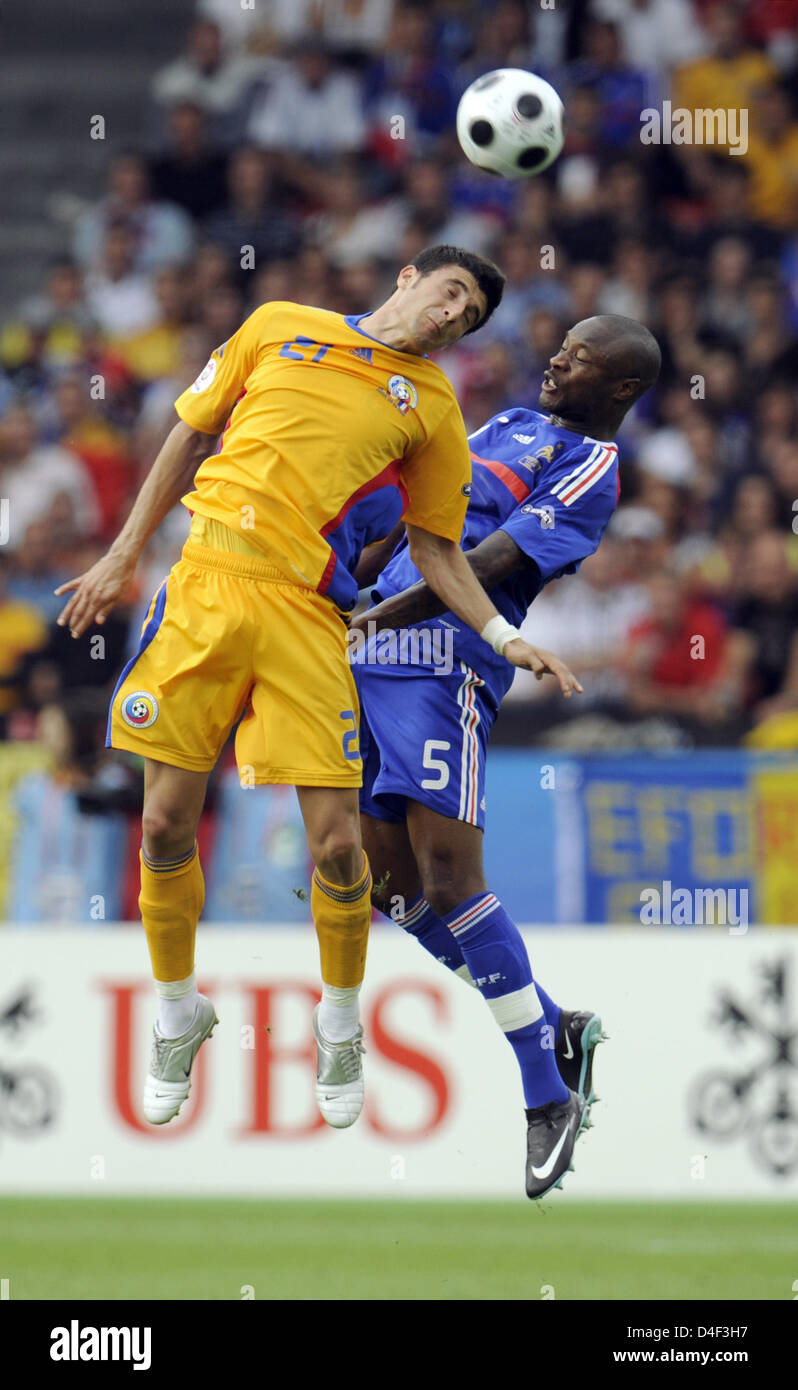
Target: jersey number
[304,344]
[431,784]
[351,750]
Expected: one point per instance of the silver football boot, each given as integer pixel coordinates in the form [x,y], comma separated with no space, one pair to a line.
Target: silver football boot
[339,1077]
[169,1080]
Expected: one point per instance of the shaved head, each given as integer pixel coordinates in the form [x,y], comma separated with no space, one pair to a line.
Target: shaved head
[605,364]
[629,349]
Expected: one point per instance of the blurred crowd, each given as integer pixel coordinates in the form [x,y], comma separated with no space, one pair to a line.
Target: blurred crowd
[309,157]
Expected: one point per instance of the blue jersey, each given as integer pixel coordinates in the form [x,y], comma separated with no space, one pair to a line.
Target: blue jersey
[553,491]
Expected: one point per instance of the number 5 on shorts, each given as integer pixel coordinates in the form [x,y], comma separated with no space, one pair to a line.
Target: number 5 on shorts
[431,746]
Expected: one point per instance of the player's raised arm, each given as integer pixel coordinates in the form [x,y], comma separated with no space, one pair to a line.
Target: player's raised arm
[95,592]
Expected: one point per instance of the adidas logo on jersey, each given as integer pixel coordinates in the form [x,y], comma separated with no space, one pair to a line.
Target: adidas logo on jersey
[365,353]
[524,438]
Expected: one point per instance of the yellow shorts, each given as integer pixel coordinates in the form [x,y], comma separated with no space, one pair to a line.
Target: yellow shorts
[228,637]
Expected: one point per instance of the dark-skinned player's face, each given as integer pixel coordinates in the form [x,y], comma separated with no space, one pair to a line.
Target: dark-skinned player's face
[580,381]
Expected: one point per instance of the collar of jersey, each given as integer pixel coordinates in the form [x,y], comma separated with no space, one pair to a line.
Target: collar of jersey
[353,321]
[586,438]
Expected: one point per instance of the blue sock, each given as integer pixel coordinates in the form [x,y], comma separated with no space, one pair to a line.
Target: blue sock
[551,1010]
[495,954]
[434,935]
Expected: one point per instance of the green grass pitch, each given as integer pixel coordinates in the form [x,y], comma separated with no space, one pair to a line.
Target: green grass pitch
[104,1248]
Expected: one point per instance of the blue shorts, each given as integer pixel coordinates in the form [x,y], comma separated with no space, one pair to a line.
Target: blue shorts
[423,736]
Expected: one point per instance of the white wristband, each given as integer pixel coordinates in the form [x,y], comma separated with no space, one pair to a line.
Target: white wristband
[497,632]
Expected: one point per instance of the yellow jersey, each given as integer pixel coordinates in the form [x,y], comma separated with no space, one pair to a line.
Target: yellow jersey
[328,438]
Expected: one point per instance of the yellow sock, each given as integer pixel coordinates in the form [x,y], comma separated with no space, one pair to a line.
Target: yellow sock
[342,916]
[171,900]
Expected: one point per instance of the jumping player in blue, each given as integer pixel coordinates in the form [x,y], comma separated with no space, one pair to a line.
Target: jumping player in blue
[544,487]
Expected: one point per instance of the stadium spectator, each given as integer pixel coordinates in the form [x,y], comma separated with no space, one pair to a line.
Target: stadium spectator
[501,39]
[730,76]
[666,474]
[782,467]
[723,305]
[770,347]
[22,630]
[211,269]
[725,190]
[682,661]
[592,614]
[628,204]
[161,233]
[251,217]
[772,158]
[310,108]
[529,287]
[152,351]
[33,477]
[121,298]
[205,74]
[37,570]
[350,227]
[154,419]
[78,426]
[352,28]
[767,612]
[654,33]
[720,570]
[51,323]
[408,77]
[190,171]
[64,855]
[629,290]
[426,202]
[624,91]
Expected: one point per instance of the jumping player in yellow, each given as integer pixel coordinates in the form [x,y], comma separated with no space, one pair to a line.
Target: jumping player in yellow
[330,428]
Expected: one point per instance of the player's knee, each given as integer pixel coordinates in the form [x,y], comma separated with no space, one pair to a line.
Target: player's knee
[167,830]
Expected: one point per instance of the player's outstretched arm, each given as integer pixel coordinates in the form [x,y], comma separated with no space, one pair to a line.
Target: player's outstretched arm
[492,561]
[95,592]
[448,573]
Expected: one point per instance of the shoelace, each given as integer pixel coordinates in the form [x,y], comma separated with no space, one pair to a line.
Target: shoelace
[350,1059]
[547,1113]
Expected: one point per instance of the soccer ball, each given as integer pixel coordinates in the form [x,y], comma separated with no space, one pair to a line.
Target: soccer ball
[510,122]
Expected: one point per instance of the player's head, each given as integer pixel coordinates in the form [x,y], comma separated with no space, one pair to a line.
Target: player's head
[447,292]
[604,365]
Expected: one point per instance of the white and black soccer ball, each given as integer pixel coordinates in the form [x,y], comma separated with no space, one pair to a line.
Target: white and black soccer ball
[510,122]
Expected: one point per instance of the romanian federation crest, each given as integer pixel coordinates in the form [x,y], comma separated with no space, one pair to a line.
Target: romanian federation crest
[402,393]
[140,709]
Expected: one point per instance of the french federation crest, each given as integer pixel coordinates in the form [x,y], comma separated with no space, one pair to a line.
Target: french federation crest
[402,393]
